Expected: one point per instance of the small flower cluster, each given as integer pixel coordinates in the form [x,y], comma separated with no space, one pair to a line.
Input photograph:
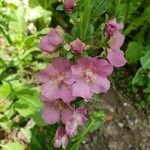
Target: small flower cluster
[115,55]
[62,81]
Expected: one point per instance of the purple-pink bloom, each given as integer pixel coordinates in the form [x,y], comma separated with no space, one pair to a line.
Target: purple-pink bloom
[53,79]
[115,55]
[90,76]
[56,110]
[69,5]
[77,46]
[117,40]
[112,26]
[51,41]
[78,118]
[61,139]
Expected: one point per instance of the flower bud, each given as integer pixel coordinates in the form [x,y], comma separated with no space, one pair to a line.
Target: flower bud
[51,41]
[61,138]
[112,26]
[69,5]
[77,46]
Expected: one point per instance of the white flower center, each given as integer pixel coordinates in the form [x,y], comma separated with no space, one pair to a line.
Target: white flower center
[89,75]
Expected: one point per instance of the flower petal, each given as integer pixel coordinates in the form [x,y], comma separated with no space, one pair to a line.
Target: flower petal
[61,139]
[104,68]
[116,41]
[81,89]
[50,115]
[76,70]
[54,37]
[101,85]
[46,46]
[77,46]
[66,93]
[62,64]
[67,114]
[116,58]
[46,73]
[50,90]
[69,5]
[85,61]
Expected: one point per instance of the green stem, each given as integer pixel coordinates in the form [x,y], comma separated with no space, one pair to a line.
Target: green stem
[85,18]
[88,128]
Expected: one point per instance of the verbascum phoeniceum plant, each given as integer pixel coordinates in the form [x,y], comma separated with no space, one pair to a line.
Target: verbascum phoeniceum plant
[87,57]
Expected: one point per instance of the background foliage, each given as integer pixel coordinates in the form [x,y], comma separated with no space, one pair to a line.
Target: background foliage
[21,27]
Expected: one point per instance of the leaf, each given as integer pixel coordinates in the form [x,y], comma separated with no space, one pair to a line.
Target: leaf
[37,117]
[4,105]
[138,21]
[28,103]
[133,52]
[2,66]
[43,136]
[5,90]
[13,146]
[99,8]
[17,34]
[140,78]
[5,123]
[95,98]
[145,60]
[37,12]
[147,89]
[44,3]
[68,38]
[134,4]
[98,120]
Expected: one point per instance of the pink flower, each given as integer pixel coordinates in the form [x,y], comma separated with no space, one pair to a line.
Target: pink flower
[56,110]
[115,55]
[61,138]
[112,26]
[69,5]
[78,118]
[77,46]
[53,79]
[90,76]
[116,41]
[51,41]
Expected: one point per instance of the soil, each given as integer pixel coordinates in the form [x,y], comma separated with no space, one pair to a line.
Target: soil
[126,128]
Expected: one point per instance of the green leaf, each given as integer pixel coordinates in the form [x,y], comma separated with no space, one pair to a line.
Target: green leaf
[28,103]
[44,3]
[95,98]
[4,104]
[17,34]
[133,52]
[98,120]
[5,123]
[2,64]
[38,12]
[99,8]
[140,78]
[68,38]
[13,146]
[147,89]
[37,117]
[145,60]
[138,21]
[5,90]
